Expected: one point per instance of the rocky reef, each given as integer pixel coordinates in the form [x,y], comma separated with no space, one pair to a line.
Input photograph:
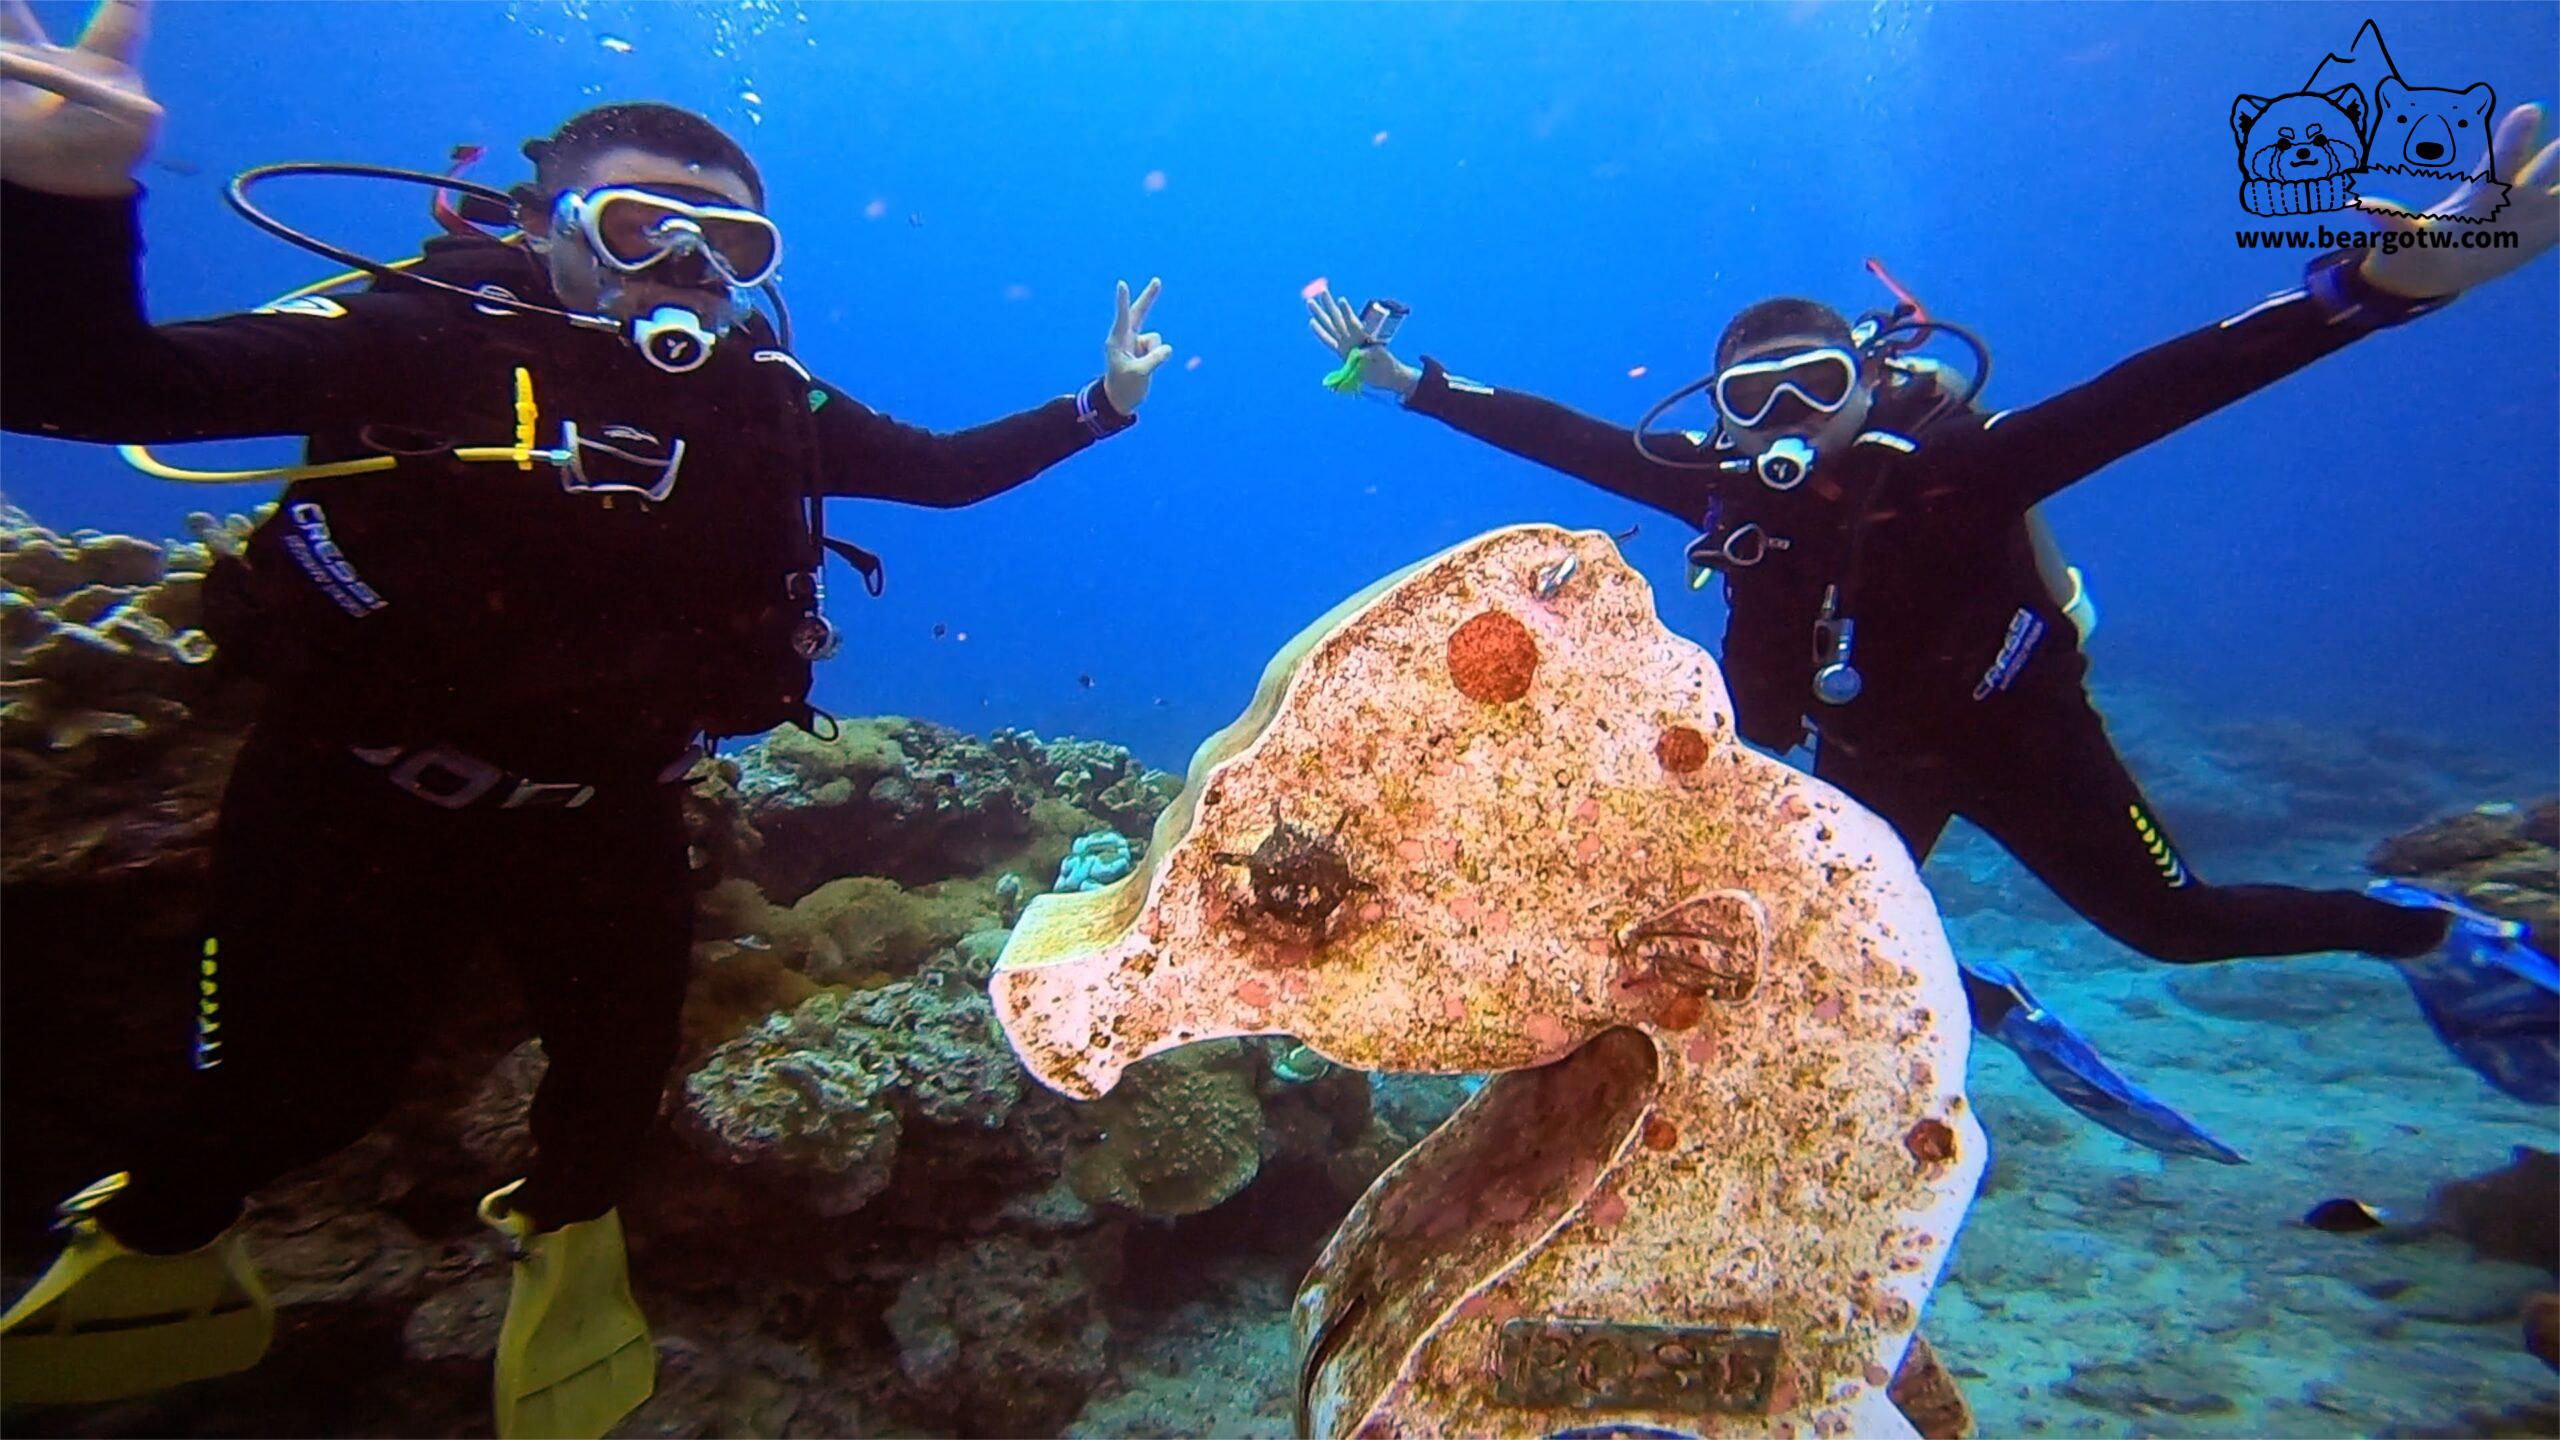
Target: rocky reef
[2222,783]
[2501,856]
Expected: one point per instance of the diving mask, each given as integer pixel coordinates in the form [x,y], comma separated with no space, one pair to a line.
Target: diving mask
[632,231]
[1821,380]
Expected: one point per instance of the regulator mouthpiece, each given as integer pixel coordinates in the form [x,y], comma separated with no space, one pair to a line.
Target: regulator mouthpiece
[673,338]
[1782,466]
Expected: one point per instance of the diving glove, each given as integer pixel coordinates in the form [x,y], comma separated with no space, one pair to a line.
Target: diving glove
[574,1355]
[108,1321]
[2490,996]
[2063,1061]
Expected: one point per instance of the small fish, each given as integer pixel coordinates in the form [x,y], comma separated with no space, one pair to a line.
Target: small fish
[1628,534]
[753,942]
[2343,1217]
[1159,701]
[940,630]
[1085,680]
[178,165]
[915,219]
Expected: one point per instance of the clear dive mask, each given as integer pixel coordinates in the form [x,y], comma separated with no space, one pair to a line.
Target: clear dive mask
[1821,380]
[632,231]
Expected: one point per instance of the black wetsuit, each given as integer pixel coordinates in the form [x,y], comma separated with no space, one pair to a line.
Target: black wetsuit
[1973,702]
[482,679]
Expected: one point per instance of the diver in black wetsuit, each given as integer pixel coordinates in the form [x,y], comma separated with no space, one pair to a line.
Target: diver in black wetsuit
[589,547]
[1887,597]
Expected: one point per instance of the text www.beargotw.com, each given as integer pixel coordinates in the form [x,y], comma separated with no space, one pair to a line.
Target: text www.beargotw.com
[2389,242]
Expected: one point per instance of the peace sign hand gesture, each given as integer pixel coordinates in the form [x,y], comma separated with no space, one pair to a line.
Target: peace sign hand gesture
[74,120]
[1132,354]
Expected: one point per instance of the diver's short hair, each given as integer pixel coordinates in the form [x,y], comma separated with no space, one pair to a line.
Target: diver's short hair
[647,125]
[1771,319]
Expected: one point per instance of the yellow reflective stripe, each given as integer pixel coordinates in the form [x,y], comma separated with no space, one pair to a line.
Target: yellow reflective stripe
[528,418]
[2163,858]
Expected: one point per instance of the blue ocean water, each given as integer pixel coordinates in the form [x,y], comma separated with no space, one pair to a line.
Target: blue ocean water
[1565,194]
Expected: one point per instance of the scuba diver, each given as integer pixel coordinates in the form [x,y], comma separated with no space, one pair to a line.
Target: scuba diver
[560,526]
[1889,597]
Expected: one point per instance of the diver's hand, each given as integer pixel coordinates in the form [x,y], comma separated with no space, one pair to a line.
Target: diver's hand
[74,120]
[1131,356]
[2532,214]
[1338,326]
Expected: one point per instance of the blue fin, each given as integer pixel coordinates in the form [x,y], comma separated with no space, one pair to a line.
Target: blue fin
[2058,1056]
[2490,996]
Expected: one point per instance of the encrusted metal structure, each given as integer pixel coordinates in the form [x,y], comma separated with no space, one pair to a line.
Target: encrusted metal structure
[1728,1149]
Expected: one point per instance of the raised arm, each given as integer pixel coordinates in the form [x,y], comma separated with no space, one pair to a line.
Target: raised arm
[79,357]
[2022,456]
[1553,435]
[868,454]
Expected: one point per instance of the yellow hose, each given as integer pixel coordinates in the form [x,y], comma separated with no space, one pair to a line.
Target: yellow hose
[149,464]
[521,454]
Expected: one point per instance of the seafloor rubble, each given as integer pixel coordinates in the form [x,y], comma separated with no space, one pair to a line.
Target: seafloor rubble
[861,1218]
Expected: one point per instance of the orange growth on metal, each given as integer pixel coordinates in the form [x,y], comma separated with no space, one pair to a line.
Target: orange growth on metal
[1492,658]
[1727,1152]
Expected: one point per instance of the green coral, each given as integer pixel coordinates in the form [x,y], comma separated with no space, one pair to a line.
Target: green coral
[804,1099]
[816,1100]
[864,925]
[1180,1132]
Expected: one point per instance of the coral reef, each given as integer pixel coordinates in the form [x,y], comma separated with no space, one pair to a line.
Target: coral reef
[1184,1133]
[2501,856]
[116,731]
[813,1102]
[1003,1336]
[917,803]
[1097,860]
[802,1101]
